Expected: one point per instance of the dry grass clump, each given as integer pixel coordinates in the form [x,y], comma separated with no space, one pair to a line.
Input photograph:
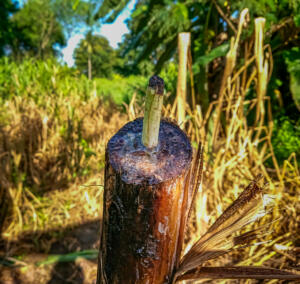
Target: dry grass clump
[45,149]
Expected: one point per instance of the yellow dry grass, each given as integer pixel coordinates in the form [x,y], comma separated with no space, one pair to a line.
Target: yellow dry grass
[43,153]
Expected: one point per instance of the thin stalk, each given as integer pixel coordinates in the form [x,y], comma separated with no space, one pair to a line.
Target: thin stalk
[154,102]
[230,24]
[190,66]
[262,72]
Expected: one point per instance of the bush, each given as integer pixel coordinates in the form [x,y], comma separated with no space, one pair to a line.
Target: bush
[286,138]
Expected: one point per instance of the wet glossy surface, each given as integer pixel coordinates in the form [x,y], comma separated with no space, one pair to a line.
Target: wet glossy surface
[141,227]
[139,165]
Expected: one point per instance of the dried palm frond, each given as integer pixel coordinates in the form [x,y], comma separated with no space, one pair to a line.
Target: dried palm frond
[219,240]
[247,208]
[240,272]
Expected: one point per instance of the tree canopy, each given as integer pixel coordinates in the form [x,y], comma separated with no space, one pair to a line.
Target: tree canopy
[40,27]
[41,30]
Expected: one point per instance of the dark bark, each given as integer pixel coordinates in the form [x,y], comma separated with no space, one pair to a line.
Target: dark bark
[143,201]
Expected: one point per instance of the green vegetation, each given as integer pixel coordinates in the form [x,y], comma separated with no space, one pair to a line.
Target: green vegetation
[61,116]
[292,60]
[6,27]
[286,138]
[87,254]
[43,79]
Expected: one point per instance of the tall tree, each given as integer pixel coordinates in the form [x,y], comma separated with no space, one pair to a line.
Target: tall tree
[95,57]
[87,43]
[92,24]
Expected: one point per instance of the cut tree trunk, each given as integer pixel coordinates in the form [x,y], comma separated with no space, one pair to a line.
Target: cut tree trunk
[143,202]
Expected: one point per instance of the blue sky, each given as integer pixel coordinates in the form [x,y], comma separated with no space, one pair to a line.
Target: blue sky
[113,32]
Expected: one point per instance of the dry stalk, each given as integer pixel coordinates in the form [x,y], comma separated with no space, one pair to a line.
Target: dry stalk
[262,72]
[183,50]
[229,67]
[190,65]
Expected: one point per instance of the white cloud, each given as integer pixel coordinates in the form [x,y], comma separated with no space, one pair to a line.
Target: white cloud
[114,32]
[69,49]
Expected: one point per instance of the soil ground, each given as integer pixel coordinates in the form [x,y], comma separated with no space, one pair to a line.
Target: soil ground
[78,231]
[80,271]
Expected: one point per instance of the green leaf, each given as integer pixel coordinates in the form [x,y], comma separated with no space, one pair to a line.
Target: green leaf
[297,20]
[6,262]
[295,88]
[139,10]
[213,54]
[292,59]
[87,254]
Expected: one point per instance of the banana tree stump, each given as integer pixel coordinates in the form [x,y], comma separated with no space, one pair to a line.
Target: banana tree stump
[143,200]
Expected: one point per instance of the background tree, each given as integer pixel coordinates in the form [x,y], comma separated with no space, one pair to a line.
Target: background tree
[7,31]
[41,31]
[41,27]
[95,57]
[89,10]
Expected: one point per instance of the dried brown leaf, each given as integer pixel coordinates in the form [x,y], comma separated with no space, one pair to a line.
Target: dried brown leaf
[240,272]
[244,210]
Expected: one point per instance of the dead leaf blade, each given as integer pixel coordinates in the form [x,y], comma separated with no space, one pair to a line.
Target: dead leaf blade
[240,272]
